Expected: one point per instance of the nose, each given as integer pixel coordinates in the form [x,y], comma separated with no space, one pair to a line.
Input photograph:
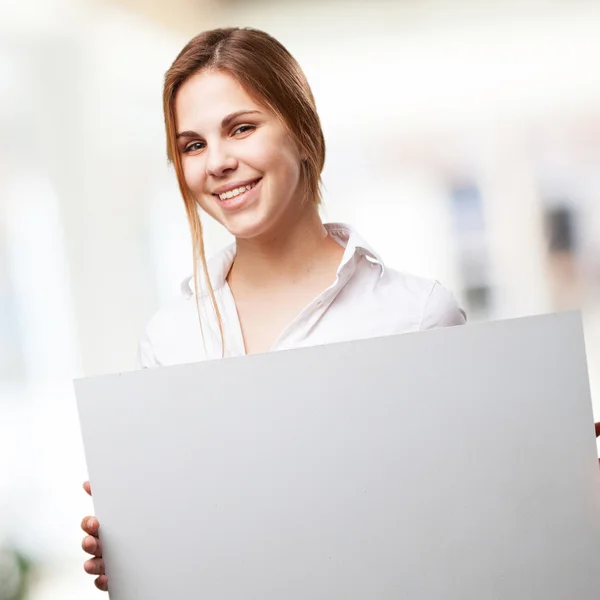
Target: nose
[219,160]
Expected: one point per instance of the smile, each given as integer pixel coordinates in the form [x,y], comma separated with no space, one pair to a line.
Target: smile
[237,191]
[240,197]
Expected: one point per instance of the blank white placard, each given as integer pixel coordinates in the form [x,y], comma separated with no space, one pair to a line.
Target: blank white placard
[456,463]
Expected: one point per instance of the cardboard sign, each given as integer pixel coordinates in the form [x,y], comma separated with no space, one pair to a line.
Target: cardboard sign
[456,463]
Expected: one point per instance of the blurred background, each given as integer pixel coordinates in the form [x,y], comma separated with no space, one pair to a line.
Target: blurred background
[463,143]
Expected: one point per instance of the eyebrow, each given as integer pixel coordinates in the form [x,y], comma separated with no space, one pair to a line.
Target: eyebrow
[224,123]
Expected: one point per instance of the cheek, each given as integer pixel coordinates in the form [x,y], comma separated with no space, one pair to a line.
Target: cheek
[280,158]
[194,174]
[290,168]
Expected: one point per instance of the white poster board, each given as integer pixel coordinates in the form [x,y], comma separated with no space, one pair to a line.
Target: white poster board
[457,463]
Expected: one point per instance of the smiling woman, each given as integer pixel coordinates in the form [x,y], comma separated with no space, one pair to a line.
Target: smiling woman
[246,142]
[236,101]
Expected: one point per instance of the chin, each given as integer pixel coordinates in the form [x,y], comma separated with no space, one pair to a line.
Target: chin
[247,227]
[260,220]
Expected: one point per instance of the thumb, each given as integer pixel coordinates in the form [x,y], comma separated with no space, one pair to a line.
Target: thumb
[88,489]
[597,429]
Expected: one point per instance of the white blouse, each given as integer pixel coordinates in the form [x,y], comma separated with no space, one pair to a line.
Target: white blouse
[366,300]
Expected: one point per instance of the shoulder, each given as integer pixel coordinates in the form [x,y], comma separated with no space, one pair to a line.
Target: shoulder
[174,336]
[442,309]
[166,323]
[427,299]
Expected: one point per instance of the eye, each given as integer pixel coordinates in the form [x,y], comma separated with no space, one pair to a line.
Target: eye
[194,147]
[243,129]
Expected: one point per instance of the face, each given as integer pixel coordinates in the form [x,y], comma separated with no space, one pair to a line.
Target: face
[238,159]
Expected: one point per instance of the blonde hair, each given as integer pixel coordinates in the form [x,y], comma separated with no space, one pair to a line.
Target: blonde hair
[273,78]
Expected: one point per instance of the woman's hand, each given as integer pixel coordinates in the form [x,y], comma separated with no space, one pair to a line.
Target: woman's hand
[92,545]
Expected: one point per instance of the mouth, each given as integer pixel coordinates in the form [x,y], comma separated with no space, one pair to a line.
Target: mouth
[240,197]
[237,192]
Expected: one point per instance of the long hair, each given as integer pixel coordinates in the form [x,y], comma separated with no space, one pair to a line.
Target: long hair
[273,78]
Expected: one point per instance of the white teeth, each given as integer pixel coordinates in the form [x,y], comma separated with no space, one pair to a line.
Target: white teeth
[237,191]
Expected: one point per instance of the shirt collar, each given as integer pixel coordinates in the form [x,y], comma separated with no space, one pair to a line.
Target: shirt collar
[219,265]
[353,242]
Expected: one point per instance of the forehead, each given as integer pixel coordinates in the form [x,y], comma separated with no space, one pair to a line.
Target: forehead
[206,97]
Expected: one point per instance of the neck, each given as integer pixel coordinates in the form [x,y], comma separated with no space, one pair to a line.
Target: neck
[287,255]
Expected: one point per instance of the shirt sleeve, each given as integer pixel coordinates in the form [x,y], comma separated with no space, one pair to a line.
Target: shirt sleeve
[146,359]
[442,309]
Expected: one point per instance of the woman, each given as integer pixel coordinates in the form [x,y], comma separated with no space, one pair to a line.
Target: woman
[246,143]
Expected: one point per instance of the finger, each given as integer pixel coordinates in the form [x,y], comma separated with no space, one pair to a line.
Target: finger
[90,525]
[92,545]
[597,429]
[87,487]
[94,566]
[102,583]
